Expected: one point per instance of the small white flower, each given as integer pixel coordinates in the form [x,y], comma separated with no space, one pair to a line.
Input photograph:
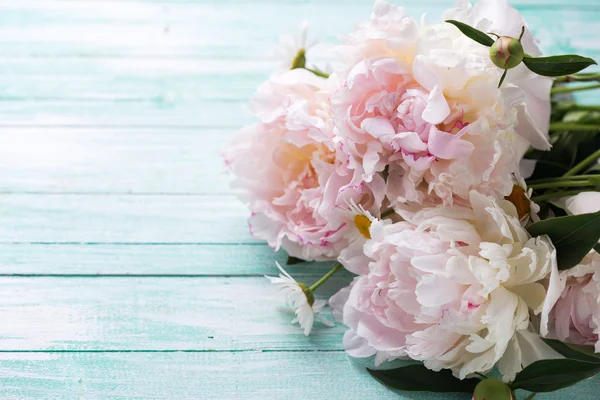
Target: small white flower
[299,296]
[353,257]
[362,219]
[292,48]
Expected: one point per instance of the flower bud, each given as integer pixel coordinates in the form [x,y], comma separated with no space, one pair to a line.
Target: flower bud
[507,52]
[493,389]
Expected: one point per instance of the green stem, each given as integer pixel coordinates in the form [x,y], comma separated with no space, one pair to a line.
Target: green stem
[570,106]
[570,89]
[564,178]
[578,78]
[531,396]
[328,275]
[318,73]
[564,184]
[481,375]
[567,126]
[564,193]
[583,164]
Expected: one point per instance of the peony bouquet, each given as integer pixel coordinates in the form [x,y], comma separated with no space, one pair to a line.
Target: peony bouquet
[448,167]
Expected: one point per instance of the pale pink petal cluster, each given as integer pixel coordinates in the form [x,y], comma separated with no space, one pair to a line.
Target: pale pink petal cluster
[413,114]
[452,287]
[421,101]
[286,168]
[576,316]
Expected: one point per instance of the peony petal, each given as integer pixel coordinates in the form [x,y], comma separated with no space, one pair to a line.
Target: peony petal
[357,346]
[583,203]
[379,128]
[437,107]
[409,142]
[447,146]
[435,291]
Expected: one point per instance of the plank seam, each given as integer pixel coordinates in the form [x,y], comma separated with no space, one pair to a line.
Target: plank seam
[149,194]
[181,351]
[177,276]
[135,243]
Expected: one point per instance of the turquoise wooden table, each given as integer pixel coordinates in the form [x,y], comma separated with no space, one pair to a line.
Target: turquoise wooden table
[127,268]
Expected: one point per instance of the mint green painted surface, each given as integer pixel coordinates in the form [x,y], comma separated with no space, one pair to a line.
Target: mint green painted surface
[126,268]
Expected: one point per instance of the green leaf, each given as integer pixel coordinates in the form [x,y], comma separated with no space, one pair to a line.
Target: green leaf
[548,168]
[417,378]
[573,236]
[293,260]
[475,34]
[569,351]
[551,375]
[558,65]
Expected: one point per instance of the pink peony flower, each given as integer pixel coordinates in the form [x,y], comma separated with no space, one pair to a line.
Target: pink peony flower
[452,287]
[576,316]
[423,102]
[287,171]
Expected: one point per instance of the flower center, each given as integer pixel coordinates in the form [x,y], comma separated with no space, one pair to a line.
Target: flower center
[299,60]
[519,198]
[310,298]
[363,224]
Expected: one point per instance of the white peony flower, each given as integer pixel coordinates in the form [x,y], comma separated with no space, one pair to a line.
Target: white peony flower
[452,287]
[301,299]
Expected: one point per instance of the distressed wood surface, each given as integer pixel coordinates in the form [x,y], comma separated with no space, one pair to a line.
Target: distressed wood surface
[171,259]
[118,218]
[155,313]
[126,267]
[113,160]
[204,375]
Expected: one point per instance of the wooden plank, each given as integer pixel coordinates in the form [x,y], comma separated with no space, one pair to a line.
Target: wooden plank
[203,314]
[130,79]
[206,376]
[255,259]
[251,259]
[226,29]
[101,160]
[210,376]
[123,219]
[162,112]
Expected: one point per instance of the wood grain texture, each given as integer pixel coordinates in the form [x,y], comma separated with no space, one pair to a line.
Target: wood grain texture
[245,259]
[104,160]
[199,61]
[122,219]
[206,28]
[210,376]
[203,314]
[206,376]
